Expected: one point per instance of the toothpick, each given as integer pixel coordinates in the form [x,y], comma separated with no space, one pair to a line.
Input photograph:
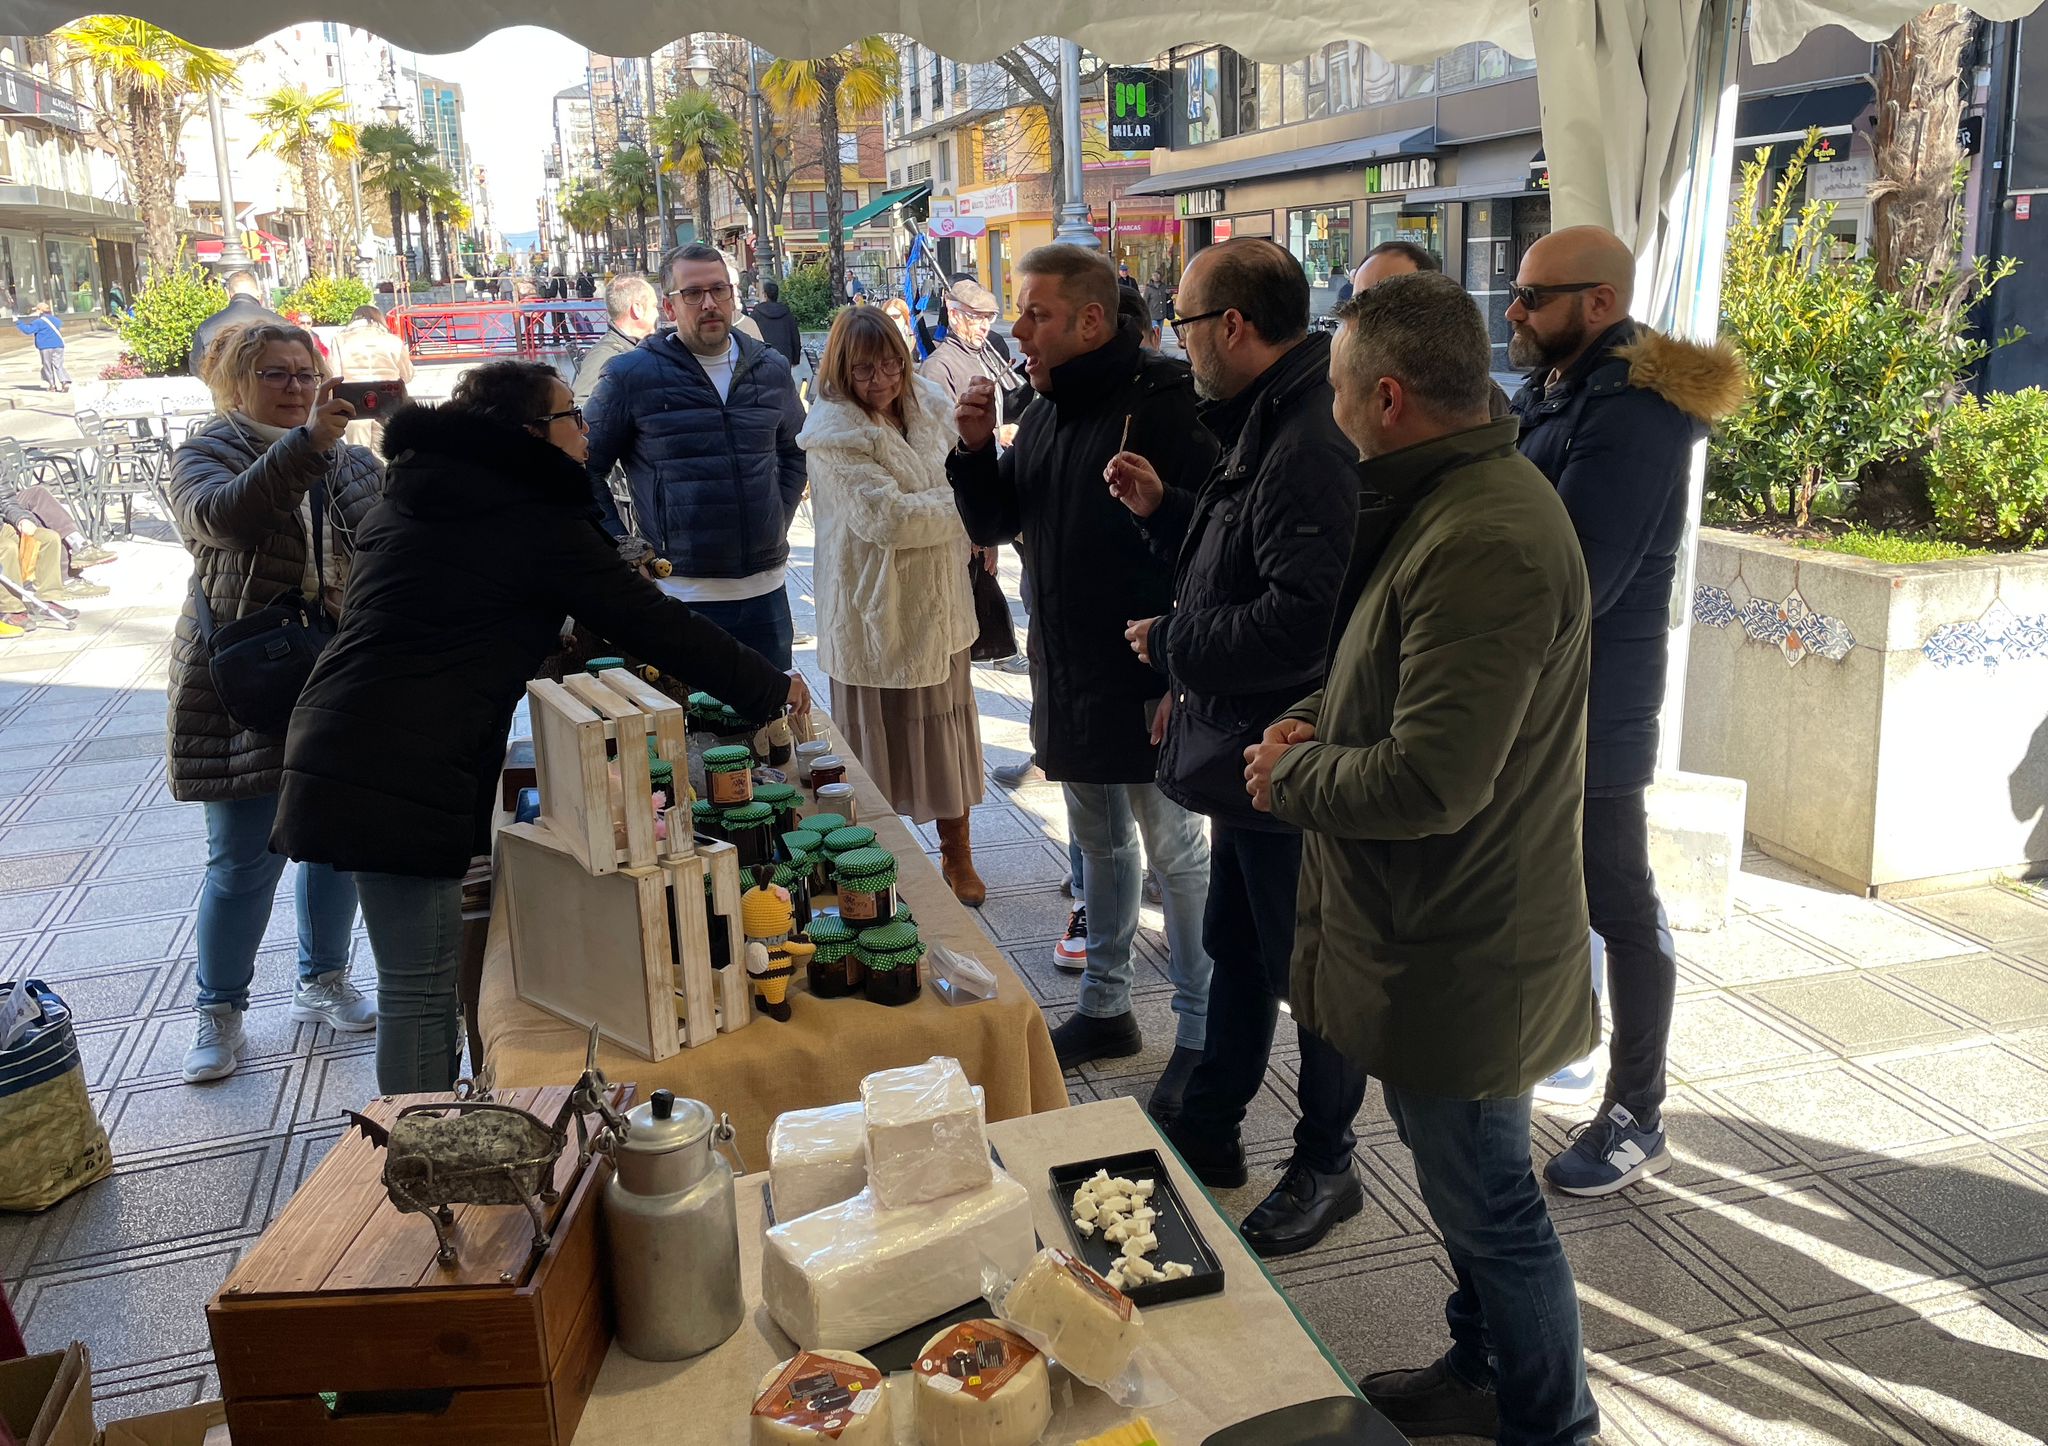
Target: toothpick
[1125,443]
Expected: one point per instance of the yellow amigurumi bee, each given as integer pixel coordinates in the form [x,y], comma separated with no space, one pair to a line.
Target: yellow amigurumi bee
[773,947]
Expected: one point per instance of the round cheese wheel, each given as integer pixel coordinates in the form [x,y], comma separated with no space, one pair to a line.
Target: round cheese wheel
[981,1384]
[820,1396]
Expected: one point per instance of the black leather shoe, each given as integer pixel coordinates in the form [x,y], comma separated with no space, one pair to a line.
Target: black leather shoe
[1084,1037]
[1217,1163]
[1304,1207]
[1433,1402]
[1173,1083]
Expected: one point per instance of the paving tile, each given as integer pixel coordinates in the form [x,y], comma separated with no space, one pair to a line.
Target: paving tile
[1711,1036]
[271,1035]
[1994,915]
[71,950]
[1969,1371]
[308,1147]
[36,756]
[132,1315]
[1867,932]
[1707,1144]
[18,839]
[20,913]
[1269,1120]
[1746,952]
[1633,1289]
[136,898]
[183,820]
[1033,867]
[50,806]
[1378,1319]
[15,781]
[126,745]
[1763,1398]
[1993,1088]
[1804,1248]
[102,1048]
[30,873]
[1829,1114]
[1854,1012]
[167,856]
[122,1400]
[1985,1210]
[163,1203]
[1027,918]
[174,1114]
[338,1082]
[1999,993]
[104,775]
[120,994]
[20,733]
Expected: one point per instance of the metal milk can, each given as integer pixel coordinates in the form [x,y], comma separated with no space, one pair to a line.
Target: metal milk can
[673,1231]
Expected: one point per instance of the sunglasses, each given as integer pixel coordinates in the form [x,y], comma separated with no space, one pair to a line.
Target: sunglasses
[552,417]
[1535,298]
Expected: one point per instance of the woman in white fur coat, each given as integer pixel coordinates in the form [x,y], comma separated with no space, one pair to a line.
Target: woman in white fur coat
[895,609]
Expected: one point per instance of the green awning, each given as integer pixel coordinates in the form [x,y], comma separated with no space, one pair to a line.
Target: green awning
[884,202]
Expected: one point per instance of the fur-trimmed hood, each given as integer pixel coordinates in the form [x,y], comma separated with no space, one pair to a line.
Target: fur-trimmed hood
[1705,381]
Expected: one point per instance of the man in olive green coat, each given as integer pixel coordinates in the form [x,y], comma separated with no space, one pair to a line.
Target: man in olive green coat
[1438,779]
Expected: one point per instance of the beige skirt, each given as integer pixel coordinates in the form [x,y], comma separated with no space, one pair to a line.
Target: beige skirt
[922,746]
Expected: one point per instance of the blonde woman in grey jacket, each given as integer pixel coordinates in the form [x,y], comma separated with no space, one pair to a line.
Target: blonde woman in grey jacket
[242,491]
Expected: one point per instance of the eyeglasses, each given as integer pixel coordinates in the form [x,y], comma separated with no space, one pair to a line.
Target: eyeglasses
[698,295]
[1180,321]
[279,380]
[1535,298]
[888,366]
[552,417]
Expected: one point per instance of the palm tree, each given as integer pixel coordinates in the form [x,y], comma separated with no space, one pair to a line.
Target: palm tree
[630,178]
[587,210]
[430,183]
[1914,233]
[393,157]
[309,129]
[450,210]
[143,80]
[859,76]
[697,137]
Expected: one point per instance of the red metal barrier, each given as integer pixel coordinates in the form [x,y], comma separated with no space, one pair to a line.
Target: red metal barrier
[476,330]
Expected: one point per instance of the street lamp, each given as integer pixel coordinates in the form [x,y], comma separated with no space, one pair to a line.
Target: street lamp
[660,191]
[232,256]
[1074,226]
[764,223]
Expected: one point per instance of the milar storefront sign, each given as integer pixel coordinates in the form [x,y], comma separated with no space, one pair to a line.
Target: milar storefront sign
[1137,108]
[1415,175]
[1207,202]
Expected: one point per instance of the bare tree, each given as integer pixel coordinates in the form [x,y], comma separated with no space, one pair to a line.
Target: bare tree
[1918,151]
[1027,75]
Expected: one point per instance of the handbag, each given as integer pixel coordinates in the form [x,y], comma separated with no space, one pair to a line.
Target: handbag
[260,662]
[998,635]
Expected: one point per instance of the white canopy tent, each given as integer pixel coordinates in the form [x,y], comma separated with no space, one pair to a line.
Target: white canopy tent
[1638,96]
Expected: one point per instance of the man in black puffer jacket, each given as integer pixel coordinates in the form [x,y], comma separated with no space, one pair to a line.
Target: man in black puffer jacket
[705,421]
[1088,572]
[1260,555]
[778,324]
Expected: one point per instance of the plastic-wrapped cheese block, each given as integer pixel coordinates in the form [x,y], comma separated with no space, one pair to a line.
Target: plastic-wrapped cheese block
[855,1273]
[1090,1326]
[924,1135]
[819,1396]
[819,1157]
[981,1385]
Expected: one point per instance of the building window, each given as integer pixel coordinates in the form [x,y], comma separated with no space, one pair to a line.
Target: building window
[1269,87]
[1207,85]
[945,157]
[1320,239]
[330,32]
[1403,221]
[920,171]
[959,83]
[807,209]
[1318,85]
[916,83]
[1295,84]
[895,178]
[938,81]
[1346,62]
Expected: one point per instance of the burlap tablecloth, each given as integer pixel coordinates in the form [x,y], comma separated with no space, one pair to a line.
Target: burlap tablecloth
[819,1056]
[1228,1357]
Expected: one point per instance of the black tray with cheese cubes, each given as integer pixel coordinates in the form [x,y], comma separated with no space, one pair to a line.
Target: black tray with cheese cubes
[1178,1240]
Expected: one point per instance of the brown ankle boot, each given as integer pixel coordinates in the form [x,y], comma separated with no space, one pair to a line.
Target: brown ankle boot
[956,862]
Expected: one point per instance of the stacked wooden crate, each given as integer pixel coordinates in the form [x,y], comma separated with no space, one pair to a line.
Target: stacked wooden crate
[610,925]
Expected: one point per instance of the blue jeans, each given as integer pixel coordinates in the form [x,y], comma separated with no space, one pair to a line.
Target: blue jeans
[235,900]
[1105,819]
[416,933]
[763,623]
[1514,1317]
[1074,865]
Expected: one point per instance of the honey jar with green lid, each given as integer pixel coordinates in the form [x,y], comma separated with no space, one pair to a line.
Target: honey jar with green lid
[867,886]
[751,829]
[889,957]
[729,775]
[835,966]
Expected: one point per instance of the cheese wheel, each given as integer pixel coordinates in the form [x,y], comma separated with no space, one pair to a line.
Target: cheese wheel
[820,1396]
[981,1384]
[1090,1326]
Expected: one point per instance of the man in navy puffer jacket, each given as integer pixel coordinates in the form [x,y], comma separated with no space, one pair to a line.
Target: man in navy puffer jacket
[705,422]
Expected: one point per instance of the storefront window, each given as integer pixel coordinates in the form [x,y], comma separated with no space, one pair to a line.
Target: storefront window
[1320,239]
[1401,221]
[21,284]
[73,275]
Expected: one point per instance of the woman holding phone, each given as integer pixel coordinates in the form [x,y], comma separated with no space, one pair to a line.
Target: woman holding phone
[253,489]
[392,766]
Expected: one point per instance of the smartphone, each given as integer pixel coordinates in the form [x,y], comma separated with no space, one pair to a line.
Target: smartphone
[372,399]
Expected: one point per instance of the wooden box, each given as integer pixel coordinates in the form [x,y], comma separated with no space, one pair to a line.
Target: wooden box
[341,1326]
[580,801]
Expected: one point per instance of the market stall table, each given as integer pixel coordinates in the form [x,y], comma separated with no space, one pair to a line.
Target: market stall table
[1205,1348]
[819,1056]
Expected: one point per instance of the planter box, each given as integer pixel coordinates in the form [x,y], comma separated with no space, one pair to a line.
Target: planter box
[141,396]
[1891,721]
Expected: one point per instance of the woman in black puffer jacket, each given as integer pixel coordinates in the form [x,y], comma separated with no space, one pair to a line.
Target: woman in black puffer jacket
[486,538]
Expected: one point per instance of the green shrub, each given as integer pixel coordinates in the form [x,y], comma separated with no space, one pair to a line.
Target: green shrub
[1988,470]
[807,292]
[1892,547]
[167,312]
[329,300]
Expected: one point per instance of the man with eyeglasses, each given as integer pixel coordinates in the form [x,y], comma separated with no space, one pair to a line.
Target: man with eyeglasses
[704,419]
[1610,414]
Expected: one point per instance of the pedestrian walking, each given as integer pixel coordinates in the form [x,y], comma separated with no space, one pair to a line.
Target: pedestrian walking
[1094,722]
[48,333]
[777,323]
[1610,414]
[705,423]
[1259,554]
[1437,778]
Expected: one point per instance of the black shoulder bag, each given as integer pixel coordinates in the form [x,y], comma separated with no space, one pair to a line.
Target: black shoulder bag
[259,663]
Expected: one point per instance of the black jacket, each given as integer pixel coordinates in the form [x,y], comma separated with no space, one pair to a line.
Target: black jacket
[392,759]
[1261,552]
[715,484]
[242,310]
[1615,437]
[1087,569]
[591,366]
[779,329]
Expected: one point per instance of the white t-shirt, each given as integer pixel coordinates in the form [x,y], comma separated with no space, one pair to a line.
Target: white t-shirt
[720,368]
[723,589]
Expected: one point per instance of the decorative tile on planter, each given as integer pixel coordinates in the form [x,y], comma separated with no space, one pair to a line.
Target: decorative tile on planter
[1764,621]
[1713,607]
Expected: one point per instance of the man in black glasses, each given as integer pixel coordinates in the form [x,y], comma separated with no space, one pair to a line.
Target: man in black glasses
[1610,413]
[704,419]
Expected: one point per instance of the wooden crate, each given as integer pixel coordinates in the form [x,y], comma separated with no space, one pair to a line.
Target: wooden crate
[628,951]
[573,721]
[341,1326]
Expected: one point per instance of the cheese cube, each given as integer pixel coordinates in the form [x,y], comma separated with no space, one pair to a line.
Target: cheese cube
[816,1158]
[1144,1188]
[924,1133]
[822,1396]
[980,1384]
[1090,1325]
[857,1272]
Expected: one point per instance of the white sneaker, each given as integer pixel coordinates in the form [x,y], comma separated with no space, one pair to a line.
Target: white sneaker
[331,1000]
[218,1047]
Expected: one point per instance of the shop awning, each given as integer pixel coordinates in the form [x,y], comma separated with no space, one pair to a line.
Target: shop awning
[1833,109]
[1418,142]
[886,201]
